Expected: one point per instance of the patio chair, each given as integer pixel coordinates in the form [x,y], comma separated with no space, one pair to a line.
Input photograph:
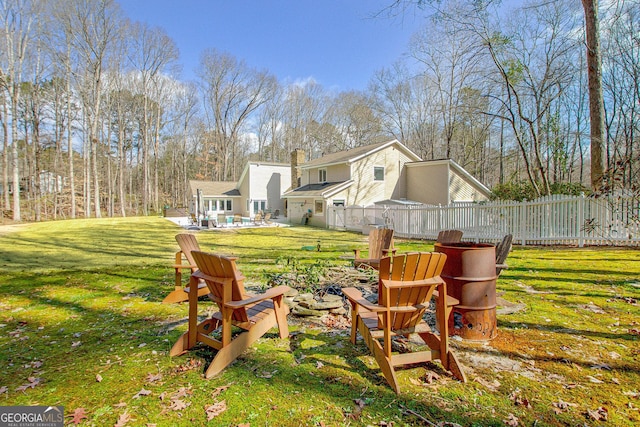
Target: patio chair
[267,218]
[222,220]
[449,236]
[187,243]
[502,252]
[380,244]
[237,219]
[257,219]
[255,315]
[276,214]
[406,285]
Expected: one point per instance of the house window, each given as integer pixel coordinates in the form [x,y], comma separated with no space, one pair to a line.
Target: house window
[338,202]
[229,205]
[322,175]
[319,207]
[378,173]
[259,205]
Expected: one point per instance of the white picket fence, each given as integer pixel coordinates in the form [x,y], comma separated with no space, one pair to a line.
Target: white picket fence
[553,220]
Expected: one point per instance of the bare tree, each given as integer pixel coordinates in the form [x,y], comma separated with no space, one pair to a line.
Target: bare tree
[596,104]
[16,18]
[152,52]
[231,92]
[95,24]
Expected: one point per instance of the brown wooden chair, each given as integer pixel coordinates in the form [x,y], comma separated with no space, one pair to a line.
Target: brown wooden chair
[237,219]
[502,252]
[253,314]
[406,285]
[380,244]
[449,236]
[267,218]
[187,243]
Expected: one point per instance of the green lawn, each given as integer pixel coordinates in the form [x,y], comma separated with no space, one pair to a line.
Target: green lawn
[82,326]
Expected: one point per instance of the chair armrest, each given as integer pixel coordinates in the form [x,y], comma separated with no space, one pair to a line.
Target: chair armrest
[185,266]
[437,280]
[450,302]
[356,252]
[355,296]
[272,293]
[385,252]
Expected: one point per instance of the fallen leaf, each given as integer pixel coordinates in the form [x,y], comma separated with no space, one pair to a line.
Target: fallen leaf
[120,405]
[98,378]
[4,389]
[219,390]
[561,406]
[511,421]
[76,344]
[178,405]
[214,410]
[319,364]
[493,385]
[182,392]
[123,419]
[600,414]
[430,377]
[78,415]
[594,380]
[151,378]
[33,382]
[142,392]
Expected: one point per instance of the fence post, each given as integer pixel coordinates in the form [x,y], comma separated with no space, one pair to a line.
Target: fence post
[580,220]
[523,226]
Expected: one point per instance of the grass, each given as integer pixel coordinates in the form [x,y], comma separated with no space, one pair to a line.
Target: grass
[82,326]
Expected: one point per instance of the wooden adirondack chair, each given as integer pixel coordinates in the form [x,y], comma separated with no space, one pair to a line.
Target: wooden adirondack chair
[267,219]
[254,314]
[237,219]
[187,243]
[257,219]
[449,236]
[380,244]
[406,286]
[502,252]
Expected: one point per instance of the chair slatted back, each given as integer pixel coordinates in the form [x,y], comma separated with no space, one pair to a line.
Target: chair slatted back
[449,236]
[503,248]
[188,243]
[408,268]
[218,270]
[379,240]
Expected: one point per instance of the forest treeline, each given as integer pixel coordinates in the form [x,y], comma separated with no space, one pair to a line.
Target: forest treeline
[97,121]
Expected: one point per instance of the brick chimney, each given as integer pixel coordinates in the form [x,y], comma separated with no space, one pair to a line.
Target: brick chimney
[297,159]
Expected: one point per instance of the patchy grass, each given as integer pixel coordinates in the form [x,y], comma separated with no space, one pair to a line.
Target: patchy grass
[81,325]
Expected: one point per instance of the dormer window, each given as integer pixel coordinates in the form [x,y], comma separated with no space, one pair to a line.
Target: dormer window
[378,173]
[322,175]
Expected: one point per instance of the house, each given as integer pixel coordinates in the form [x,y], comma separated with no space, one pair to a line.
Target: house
[259,188]
[378,173]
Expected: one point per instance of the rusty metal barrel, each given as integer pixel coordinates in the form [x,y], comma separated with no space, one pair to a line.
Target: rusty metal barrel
[470,274]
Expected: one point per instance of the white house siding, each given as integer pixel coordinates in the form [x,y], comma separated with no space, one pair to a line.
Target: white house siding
[267,182]
[463,191]
[428,183]
[370,191]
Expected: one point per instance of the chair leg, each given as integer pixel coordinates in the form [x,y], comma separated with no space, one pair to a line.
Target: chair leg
[230,352]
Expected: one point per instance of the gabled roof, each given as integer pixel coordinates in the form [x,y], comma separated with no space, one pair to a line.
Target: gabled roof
[322,189]
[355,154]
[214,188]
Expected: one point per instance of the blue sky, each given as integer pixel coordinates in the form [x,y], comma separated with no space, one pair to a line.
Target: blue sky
[336,42]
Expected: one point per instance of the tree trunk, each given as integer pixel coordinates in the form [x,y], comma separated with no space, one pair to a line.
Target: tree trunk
[596,104]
